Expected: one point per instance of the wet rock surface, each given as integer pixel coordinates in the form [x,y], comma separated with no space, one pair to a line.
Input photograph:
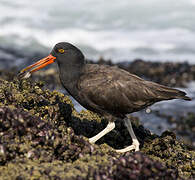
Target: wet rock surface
[184,126]
[42,136]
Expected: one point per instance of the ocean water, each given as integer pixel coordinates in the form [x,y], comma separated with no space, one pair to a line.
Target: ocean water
[117,30]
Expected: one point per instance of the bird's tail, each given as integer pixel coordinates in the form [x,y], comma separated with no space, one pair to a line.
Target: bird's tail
[171,93]
[182,95]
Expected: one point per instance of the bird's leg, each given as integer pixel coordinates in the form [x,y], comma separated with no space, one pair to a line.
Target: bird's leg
[135,144]
[109,127]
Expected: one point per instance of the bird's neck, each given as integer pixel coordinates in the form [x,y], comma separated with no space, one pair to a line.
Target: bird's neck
[70,75]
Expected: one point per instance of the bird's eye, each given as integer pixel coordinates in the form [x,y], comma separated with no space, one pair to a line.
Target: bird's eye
[61,50]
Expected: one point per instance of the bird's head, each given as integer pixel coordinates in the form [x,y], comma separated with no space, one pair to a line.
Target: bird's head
[65,54]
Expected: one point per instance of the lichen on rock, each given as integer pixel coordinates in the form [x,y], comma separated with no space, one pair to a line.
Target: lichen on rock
[43,137]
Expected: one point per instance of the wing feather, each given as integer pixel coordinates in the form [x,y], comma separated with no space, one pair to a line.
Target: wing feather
[114,89]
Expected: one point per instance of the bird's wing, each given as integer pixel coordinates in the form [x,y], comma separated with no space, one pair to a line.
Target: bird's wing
[114,89]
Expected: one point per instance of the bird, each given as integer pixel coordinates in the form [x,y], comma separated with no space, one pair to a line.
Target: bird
[106,90]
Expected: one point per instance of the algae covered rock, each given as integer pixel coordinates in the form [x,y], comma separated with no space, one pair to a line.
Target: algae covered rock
[186,128]
[32,146]
[135,166]
[27,136]
[30,97]
[171,152]
[43,137]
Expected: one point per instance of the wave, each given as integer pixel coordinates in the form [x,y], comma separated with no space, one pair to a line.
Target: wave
[149,29]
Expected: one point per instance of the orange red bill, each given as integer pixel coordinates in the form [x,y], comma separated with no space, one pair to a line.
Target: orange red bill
[38,65]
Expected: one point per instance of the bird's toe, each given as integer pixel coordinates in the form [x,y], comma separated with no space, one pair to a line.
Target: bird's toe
[134,146]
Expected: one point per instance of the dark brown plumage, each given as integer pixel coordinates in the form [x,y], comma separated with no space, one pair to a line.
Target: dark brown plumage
[116,91]
[109,91]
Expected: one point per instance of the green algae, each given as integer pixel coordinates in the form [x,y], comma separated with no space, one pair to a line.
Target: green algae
[42,137]
[173,153]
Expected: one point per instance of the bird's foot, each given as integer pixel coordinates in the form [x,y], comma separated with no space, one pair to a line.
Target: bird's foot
[134,146]
[109,127]
[92,140]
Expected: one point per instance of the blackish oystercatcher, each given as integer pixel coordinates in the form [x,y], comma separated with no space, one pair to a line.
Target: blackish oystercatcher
[107,90]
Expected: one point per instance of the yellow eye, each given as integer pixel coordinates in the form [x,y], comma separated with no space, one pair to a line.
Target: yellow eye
[61,50]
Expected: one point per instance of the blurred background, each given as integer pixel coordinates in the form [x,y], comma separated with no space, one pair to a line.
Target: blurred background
[125,30]
[152,30]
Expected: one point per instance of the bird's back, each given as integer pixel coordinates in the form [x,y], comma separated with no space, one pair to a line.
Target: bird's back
[110,89]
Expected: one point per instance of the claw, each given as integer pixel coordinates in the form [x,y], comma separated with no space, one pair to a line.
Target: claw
[134,146]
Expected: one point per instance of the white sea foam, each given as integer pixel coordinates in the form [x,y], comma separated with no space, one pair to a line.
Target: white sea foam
[192,2]
[149,29]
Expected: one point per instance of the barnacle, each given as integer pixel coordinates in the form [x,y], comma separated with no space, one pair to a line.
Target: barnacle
[41,137]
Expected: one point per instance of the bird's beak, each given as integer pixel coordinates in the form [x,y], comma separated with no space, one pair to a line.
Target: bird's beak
[26,72]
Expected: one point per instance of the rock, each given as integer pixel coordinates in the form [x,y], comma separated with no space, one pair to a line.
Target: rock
[42,136]
[135,166]
[184,126]
[171,152]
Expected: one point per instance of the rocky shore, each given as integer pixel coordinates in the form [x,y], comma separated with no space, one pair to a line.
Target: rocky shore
[42,136]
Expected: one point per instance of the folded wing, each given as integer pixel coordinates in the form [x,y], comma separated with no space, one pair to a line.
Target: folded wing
[116,90]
